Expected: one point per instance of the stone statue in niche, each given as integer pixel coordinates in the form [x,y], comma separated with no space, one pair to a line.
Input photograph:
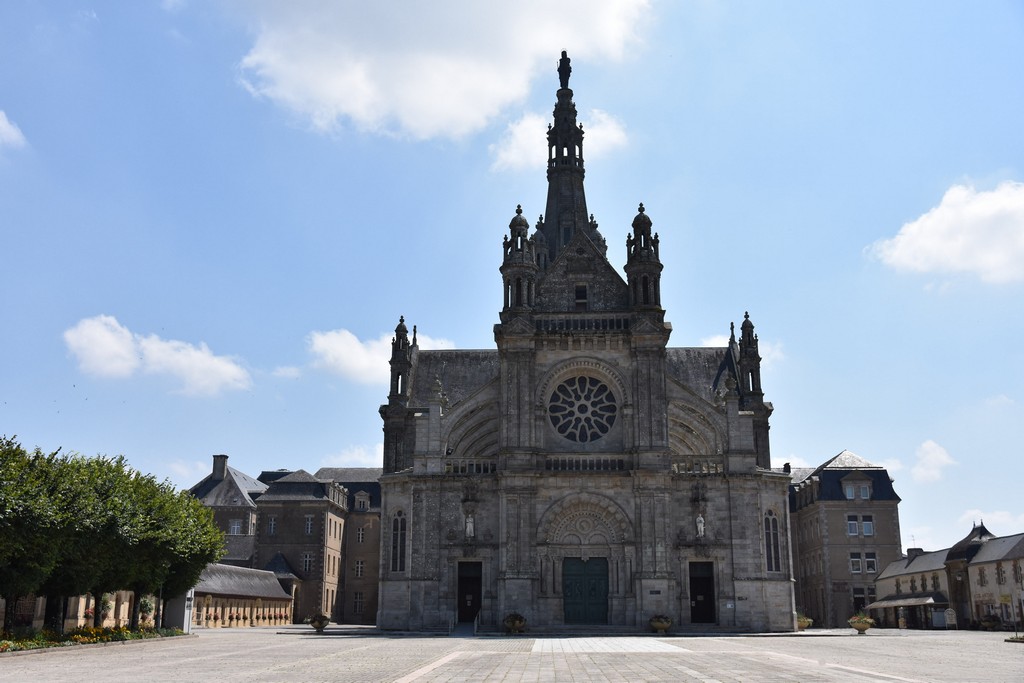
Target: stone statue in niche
[700,525]
[470,527]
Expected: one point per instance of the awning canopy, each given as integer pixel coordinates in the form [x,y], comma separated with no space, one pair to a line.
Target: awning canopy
[911,601]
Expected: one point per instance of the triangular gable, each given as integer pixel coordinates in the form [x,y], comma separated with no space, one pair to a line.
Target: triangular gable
[581,262]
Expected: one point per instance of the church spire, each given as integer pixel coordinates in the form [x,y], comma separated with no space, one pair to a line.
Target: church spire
[566,210]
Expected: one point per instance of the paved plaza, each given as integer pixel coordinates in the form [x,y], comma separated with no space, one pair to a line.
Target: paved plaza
[298,655]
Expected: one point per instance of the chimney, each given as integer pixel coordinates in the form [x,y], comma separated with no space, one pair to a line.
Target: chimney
[914,552]
[787,469]
[220,467]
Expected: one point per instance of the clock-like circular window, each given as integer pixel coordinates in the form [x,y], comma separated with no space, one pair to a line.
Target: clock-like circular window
[582,409]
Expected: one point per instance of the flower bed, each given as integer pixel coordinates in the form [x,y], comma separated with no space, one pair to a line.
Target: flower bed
[80,636]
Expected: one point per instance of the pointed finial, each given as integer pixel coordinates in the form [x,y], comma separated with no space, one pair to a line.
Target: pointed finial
[641,208]
[519,209]
[414,335]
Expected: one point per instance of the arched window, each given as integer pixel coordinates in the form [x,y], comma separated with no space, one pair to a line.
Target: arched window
[398,531]
[773,562]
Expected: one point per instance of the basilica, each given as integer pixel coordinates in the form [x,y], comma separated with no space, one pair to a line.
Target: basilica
[583,472]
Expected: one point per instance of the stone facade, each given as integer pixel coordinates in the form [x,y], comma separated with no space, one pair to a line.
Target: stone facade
[846,529]
[296,525]
[583,472]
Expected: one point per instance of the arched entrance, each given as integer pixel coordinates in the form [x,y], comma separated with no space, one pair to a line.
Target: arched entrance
[586,537]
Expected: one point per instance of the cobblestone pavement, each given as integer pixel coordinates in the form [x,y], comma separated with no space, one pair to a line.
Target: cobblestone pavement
[298,655]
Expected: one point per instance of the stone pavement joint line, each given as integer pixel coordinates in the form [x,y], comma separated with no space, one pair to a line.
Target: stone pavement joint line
[428,668]
[623,644]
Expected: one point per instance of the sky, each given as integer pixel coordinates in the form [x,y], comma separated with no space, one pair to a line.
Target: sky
[212,215]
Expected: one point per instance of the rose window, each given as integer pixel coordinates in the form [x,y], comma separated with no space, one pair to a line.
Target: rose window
[582,409]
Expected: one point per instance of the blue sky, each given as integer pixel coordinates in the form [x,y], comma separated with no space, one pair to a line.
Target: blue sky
[212,215]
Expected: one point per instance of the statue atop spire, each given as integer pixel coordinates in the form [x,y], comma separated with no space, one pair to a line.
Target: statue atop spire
[564,70]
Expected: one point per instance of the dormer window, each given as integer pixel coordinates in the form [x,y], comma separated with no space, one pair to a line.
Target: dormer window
[362,501]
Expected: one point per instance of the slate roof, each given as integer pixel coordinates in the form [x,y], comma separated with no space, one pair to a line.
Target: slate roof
[355,480]
[847,460]
[969,545]
[222,579]
[697,368]
[924,563]
[350,474]
[462,373]
[831,473]
[280,568]
[1001,548]
[224,492]
[297,485]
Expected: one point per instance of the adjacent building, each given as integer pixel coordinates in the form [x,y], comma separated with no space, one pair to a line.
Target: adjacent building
[978,581]
[846,529]
[583,471]
[295,525]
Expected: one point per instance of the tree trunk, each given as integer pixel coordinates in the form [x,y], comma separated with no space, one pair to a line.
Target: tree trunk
[10,608]
[54,615]
[133,623]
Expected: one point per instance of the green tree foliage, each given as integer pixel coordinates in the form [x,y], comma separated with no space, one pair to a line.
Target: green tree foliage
[71,525]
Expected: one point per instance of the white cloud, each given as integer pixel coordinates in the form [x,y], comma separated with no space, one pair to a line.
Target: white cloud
[196,366]
[420,69]
[356,456]
[191,471]
[999,522]
[365,362]
[602,134]
[930,460]
[287,372]
[980,233]
[522,145]
[105,348]
[10,134]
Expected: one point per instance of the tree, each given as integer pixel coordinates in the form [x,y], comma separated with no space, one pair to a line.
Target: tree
[29,520]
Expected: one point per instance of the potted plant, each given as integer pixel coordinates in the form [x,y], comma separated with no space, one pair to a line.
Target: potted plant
[861,622]
[319,621]
[514,622]
[803,621]
[660,623]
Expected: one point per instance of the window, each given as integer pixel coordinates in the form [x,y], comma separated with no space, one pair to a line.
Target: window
[309,525]
[913,584]
[360,535]
[361,504]
[855,563]
[849,491]
[357,602]
[868,525]
[360,567]
[307,562]
[982,576]
[398,531]
[271,525]
[865,491]
[870,563]
[852,528]
[1017,576]
[1000,574]
[935,582]
[899,586]
[235,527]
[581,297]
[773,561]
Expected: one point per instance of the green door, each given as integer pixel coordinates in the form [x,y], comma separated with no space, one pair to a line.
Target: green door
[585,590]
